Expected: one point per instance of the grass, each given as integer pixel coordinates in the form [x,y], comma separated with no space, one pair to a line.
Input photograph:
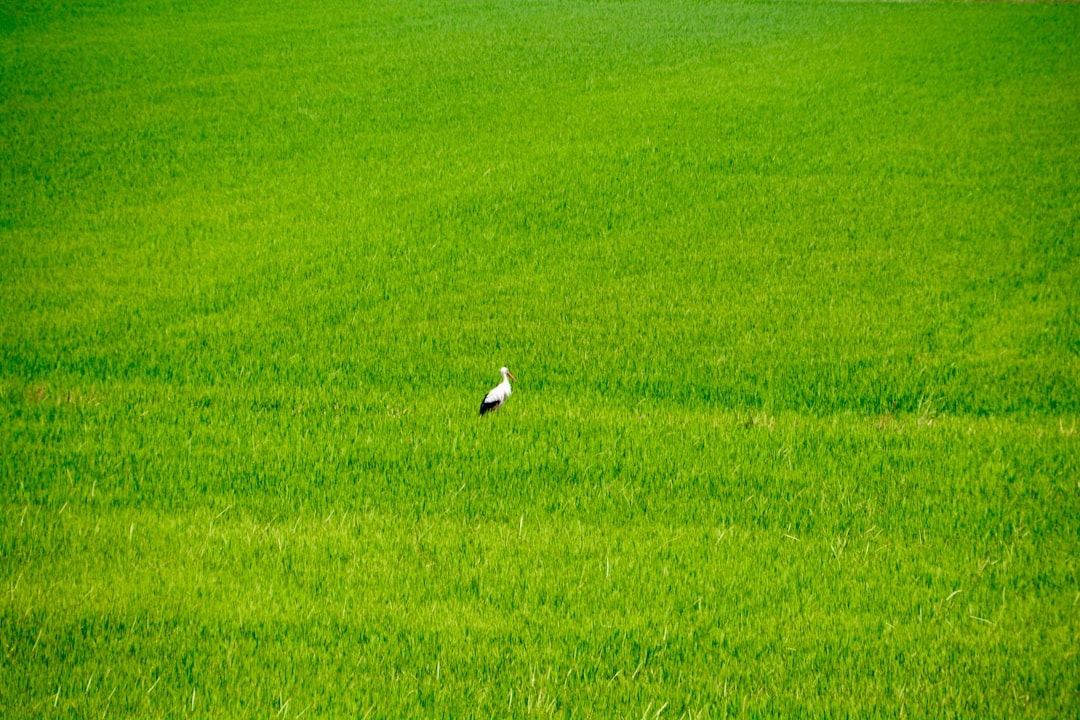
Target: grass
[790,290]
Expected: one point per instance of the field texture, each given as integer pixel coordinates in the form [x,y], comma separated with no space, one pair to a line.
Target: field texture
[792,291]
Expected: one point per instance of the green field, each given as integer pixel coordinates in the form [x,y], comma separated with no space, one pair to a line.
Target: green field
[792,294]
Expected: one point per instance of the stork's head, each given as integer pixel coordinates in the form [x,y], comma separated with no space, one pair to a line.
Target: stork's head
[506,373]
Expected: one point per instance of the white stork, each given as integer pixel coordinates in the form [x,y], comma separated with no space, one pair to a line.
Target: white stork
[494,399]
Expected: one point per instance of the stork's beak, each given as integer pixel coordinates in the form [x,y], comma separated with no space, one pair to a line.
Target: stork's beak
[511,376]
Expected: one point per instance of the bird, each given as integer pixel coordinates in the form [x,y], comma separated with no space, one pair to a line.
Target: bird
[494,399]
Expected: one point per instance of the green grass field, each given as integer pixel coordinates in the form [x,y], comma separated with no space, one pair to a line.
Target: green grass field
[792,291]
